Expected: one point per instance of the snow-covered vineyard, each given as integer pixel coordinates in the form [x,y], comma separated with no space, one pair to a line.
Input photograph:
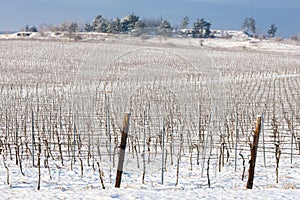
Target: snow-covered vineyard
[193,110]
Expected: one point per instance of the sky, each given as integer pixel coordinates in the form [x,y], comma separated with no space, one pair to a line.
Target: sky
[223,14]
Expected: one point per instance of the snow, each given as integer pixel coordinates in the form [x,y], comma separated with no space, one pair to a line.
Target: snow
[227,184]
[239,40]
[62,182]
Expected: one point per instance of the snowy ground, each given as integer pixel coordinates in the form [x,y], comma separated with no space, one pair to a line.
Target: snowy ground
[238,42]
[62,182]
[227,184]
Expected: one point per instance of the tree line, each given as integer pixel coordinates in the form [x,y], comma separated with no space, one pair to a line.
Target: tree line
[133,25]
[249,27]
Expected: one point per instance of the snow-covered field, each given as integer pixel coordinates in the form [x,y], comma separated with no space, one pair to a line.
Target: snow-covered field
[234,79]
[227,184]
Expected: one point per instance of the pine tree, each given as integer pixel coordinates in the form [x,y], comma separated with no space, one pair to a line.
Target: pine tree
[73,27]
[249,24]
[33,29]
[184,22]
[272,30]
[252,25]
[245,25]
[88,27]
[128,22]
[165,28]
[201,28]
[114,26]
[27,28]
[139,28]
[100,24]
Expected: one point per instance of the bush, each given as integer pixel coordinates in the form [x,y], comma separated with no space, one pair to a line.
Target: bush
[295,38]
[278,39]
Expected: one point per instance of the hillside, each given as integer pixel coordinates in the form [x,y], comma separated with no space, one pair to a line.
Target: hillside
[237,41]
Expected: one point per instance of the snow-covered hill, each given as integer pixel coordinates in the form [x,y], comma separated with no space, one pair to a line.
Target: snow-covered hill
[237,40]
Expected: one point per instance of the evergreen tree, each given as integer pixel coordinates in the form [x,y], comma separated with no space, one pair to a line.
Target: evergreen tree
[245,25]
[249,24]
[128,22]
[252,24]
[27,28]
[88,27]
[96,22]
[30,29]
[165,28]
[184,22]
[201,28]
[100,24]
[272,30]
[33,29]
[73,27]
[114,26]
[139,28]
[102,28]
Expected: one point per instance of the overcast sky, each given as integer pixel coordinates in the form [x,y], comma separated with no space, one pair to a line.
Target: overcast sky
[223,14]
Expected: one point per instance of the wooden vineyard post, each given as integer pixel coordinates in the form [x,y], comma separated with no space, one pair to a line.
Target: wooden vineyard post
[39,165]
[236,139]
[163,153]
[292,137]
[122,149]
[254,153]
[144,149]
[32,138]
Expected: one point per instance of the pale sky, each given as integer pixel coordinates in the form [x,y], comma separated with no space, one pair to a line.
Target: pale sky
[223,14]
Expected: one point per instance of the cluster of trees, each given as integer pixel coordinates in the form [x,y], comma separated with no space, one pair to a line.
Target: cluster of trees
[249,26]
[30,29]
[127,24]
[67,26]
[132,24]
